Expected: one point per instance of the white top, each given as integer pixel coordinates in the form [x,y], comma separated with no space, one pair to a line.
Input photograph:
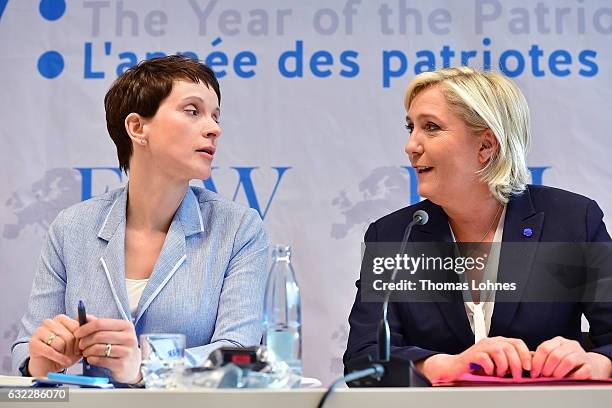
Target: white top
[480,314]
[135,287]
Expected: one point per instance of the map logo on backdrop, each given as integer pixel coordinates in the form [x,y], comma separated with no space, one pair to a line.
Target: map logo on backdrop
[57,189]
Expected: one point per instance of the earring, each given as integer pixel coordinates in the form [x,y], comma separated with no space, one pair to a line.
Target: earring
[139,140]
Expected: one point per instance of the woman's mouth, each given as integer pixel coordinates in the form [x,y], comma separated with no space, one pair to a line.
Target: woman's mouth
[208,152]
[422,169]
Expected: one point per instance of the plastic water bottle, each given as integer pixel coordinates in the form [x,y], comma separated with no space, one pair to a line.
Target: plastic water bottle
[283,315]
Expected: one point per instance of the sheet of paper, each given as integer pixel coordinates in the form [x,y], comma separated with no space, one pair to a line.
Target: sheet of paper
[15,381]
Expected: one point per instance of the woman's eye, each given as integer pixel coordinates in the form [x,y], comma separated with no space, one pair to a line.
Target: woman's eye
[409,127]
[429,126]
[216,119]
[192,112]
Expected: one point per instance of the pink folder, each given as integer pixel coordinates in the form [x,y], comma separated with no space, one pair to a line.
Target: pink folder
[471,380]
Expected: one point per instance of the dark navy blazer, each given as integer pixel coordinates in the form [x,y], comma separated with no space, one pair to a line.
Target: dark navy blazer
[419,330]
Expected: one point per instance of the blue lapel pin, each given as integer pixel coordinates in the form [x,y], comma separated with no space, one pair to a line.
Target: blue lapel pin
[527,232]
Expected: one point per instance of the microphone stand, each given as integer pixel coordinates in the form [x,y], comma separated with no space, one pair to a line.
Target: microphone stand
[398,372]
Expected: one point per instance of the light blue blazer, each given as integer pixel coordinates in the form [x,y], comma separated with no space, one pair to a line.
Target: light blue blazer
[208,282]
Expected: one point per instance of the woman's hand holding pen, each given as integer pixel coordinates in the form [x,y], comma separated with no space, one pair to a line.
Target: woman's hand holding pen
[112,344]
[53,346]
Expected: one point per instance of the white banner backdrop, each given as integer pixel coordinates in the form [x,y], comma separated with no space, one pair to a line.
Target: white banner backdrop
[312,116]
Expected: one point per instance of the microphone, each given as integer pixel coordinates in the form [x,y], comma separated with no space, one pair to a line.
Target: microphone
[398,372]
[420,217]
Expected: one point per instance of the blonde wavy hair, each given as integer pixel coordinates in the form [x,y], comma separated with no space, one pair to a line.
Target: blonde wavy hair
[487,100]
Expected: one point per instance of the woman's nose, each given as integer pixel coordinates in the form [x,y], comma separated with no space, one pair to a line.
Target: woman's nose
[212,130]
[413,147]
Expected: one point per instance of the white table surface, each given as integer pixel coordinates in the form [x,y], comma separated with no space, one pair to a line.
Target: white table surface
[472,397]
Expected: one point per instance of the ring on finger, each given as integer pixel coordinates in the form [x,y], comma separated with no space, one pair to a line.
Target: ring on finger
[50,339]
[109,347]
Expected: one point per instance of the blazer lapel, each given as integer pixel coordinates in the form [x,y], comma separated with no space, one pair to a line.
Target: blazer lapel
[186,222]
[438,230]
[522,224]
[112,260]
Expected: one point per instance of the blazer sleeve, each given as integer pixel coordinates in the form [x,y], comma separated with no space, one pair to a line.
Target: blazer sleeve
[365,317]
[47,294]
[240,313]
[598,313]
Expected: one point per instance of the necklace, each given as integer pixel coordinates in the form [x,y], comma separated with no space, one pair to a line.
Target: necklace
[491,225]
[476,296]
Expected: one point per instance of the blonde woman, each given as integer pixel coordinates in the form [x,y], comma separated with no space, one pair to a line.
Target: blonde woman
[469,133]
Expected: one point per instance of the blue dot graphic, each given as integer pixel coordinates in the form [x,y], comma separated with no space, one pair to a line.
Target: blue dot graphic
[50,64]
[52,9]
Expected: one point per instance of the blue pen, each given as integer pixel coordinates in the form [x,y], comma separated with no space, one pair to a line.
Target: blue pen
[82,321]
[77,379]
[477,369]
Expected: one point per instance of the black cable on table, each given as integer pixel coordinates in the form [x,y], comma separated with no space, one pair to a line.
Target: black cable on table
[376,370]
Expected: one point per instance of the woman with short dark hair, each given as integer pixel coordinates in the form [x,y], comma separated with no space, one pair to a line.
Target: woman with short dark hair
[156,255]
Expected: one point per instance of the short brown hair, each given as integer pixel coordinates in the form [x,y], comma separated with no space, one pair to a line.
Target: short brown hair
[142,88]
